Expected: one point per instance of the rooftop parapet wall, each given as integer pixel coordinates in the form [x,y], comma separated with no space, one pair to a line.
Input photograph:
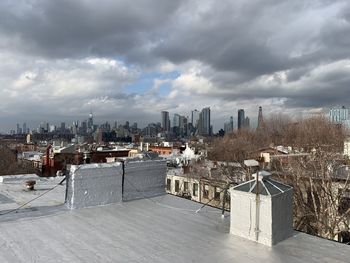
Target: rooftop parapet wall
[144,179]
[101,184]
[94,184]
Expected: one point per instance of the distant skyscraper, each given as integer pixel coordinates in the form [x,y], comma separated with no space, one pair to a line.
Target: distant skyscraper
[195,118]
[90,122]
[260,118]
[52,128]
[247,123]
[176,120]
[204,124]
[228,126]
[340,115]
[134,127]
[241,119]
[165,121]
[24,128]
[83,128]
[63,126]
[183,125]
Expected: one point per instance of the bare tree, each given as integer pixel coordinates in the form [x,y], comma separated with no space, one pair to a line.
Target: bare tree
[318,192]
[235,147]
[321,200]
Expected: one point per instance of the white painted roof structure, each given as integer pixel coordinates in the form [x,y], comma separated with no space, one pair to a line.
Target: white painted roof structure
[159,229]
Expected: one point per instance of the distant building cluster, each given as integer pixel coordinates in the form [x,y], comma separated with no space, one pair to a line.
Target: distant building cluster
[340,115]
[184,126]
[177,126]
[243,121]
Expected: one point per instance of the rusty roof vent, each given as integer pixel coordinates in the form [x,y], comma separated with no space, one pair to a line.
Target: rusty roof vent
[30,184]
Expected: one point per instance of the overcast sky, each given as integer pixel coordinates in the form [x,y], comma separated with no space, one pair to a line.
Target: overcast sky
[129,60]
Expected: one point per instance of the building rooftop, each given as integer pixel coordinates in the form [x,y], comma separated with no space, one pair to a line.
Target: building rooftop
[159,229]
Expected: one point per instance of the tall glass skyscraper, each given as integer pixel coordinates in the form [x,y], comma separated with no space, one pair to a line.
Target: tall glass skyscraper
[204,124]
[165,121]
[195,118]
[241,119]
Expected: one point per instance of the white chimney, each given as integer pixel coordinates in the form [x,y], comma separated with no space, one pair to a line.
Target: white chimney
[262,210]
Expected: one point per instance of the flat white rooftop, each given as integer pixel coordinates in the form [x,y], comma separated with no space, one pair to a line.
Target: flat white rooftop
[160,229]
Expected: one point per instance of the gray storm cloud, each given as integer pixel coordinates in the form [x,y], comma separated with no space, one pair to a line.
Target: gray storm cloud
[229,51]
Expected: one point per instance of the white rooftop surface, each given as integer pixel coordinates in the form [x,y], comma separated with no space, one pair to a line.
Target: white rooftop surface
[160,229]
[13,192]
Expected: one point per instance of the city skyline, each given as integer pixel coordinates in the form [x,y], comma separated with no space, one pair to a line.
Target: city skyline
[130,62]
[217,124]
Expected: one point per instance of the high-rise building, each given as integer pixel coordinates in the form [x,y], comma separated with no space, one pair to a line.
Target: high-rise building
[176,120]
[195,118]
[63,126]
[90,122]
[134,127]
[340,115]
[165,121]
[83,128]
[24,128]
[260,118]
[204,124]
[183,126]
[228,126]
[241,119]
[18,129]
[247,123]
[176,124]
[52,128]
[43,127]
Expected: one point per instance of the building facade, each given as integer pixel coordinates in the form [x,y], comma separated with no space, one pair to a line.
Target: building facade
[340,115]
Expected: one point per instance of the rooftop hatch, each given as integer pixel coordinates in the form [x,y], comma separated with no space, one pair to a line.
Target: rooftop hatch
[267,186]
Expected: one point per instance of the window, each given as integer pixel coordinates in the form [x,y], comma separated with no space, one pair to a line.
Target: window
[195,189]
[206,191]
[168,184]
[177,186]
[185,186]
[217,193]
